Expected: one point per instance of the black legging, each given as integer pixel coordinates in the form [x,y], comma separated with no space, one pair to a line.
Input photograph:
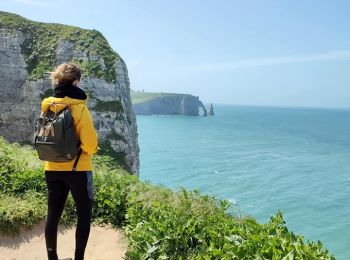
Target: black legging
[59,183]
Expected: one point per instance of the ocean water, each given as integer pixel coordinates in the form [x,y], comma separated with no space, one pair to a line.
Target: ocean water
[263,160]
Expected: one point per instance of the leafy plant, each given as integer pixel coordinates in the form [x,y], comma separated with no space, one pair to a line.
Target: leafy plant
[19,212]
[159,223]
[110,196]
[20,171]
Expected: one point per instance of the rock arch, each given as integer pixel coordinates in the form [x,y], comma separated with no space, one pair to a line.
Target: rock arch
[200,105]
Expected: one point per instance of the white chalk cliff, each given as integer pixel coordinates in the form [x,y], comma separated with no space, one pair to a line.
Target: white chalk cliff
[28,50]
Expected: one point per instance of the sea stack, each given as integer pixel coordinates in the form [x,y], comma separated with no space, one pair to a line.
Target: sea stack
[211,110]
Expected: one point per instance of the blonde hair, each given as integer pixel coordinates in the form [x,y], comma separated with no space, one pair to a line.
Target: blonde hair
[65,74]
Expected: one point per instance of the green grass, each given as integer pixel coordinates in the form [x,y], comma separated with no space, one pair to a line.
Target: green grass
[141,97]
[43,39]
[159,223]
[21,211]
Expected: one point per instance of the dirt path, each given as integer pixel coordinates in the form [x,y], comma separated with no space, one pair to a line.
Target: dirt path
[105,243]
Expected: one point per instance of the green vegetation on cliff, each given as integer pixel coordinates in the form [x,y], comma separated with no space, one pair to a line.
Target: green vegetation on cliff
[42,39]
[159,223]
[141,97]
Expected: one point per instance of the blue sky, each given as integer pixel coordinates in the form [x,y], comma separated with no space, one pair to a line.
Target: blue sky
[282,53]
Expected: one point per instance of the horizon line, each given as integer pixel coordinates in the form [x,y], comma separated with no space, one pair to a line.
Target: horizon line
[280,106]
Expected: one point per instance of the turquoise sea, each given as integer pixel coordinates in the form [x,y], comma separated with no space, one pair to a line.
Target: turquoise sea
[262,159]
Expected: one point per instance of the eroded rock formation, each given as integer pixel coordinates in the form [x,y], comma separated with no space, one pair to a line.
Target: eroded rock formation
[24,82]
[171,104]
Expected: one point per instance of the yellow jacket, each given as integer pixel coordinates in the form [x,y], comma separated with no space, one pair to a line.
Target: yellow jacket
[85,130]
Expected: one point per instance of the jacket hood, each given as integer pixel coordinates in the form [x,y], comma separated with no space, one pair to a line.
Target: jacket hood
[61,103]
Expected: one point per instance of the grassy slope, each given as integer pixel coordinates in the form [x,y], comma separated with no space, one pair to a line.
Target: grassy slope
[141,97]
[160,223]
[39,48]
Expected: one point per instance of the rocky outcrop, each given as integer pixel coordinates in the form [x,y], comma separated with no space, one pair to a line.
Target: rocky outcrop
[23,86]
[170,104]
[201,105]
[211,110]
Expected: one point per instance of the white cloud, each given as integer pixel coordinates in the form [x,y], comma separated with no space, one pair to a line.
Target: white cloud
[259,62]
[38,3]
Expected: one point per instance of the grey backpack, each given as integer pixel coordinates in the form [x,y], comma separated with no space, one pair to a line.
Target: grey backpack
[55,138]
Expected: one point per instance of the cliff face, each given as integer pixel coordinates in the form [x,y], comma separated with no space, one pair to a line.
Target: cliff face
[167,104]
[26,56]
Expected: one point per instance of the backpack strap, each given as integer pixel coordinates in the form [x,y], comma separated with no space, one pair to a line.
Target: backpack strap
[43,116]
[54,104]
[76,160]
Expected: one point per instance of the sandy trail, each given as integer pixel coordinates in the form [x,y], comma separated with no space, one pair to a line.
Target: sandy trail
[105,243]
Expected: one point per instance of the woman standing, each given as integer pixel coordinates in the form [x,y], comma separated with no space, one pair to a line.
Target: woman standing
[60,177]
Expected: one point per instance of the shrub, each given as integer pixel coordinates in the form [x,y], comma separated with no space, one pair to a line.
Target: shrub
[20,171]
[162,224]
[17,212]
[159,223]
[111,190]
